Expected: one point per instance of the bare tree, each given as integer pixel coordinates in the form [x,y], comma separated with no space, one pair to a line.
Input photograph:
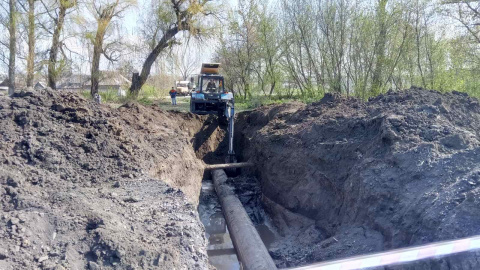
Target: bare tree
[467,12]
[239,47]
[175,16]
[31,42]
[186,59]
[59,20]
[380,45]
[30,29]
[12,30]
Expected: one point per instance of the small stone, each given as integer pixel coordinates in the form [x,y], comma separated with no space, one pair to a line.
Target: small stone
[14,221]
[43,258]
[12,182]
[116,185]
[132,199]
[3,254]
[93,266]
[54,254]
[58,107]
[25,243]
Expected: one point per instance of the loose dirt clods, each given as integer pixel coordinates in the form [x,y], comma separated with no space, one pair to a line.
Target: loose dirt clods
[84,186]
[343,177]
[88,187]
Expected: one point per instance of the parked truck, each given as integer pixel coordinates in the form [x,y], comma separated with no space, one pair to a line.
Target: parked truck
[182,88]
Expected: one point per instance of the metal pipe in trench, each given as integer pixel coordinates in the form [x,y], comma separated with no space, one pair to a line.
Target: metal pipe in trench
[228,166]
[251,251]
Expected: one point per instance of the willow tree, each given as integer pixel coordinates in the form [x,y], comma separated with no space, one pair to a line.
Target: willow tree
[104,12]
[173,17]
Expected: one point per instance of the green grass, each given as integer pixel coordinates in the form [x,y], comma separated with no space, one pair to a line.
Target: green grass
[183,104]
[150,95]
[109,96]
[257,101]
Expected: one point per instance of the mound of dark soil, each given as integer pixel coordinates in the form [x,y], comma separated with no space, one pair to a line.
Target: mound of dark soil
[84,186]
[343,177]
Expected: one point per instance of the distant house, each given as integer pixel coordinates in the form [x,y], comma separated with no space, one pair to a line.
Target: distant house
[112,81]
[109,81]
[4,86]
[75,82]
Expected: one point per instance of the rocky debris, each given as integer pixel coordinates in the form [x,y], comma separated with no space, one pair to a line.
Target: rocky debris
[357,177]
[85,186]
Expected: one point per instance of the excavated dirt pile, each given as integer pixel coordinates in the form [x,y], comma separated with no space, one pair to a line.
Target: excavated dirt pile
[343,177]
[84,186]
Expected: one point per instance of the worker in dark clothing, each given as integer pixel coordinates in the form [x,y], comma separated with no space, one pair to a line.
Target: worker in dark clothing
[173,95]
[211,85]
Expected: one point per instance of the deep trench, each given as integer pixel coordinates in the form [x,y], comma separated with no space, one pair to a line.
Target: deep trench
[289,246]
[211,146]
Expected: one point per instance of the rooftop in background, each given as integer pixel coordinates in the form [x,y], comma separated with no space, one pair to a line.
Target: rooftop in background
[19,82]
[108,80]
[4,83]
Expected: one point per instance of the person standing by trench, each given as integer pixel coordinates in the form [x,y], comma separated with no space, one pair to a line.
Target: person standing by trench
[173,95]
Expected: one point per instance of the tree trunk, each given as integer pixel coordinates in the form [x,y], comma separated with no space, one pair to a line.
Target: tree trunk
[147,65]
[31,42]
[13,41]
[97,52]
[272,88]
[52,72]
[380,47]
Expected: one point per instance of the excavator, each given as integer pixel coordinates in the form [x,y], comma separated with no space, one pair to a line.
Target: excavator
[211,97]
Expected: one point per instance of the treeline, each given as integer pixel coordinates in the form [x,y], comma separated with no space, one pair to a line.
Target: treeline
[360,47]
[55,38]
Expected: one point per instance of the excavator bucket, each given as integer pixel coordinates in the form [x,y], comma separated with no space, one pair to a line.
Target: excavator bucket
[209,68]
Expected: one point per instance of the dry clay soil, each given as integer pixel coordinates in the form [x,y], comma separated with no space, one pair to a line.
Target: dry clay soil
[84,186]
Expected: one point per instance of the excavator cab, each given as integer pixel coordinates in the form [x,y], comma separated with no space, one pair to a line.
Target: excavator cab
[210,96]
